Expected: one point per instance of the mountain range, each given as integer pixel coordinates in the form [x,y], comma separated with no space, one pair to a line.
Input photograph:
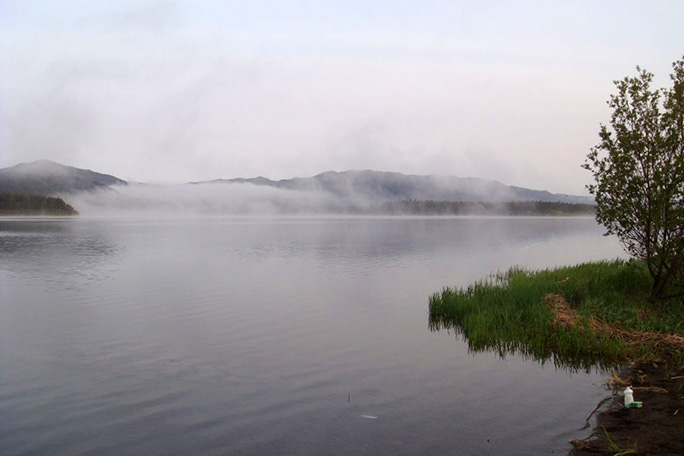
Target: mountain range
[386,186]
[50,178]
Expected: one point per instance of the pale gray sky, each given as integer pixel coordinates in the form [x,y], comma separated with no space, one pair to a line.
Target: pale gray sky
[175,91]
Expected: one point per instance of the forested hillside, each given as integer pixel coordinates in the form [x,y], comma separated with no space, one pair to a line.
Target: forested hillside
[19,204]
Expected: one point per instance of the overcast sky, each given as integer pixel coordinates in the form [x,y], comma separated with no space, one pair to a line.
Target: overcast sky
[175,91]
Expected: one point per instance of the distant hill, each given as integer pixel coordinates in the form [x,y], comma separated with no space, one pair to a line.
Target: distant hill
[44,177]
[375,186]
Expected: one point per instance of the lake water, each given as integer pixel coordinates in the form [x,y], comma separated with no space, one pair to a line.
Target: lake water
[269,336]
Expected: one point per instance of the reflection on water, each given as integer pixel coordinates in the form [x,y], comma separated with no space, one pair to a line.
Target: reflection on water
[505,348]
[55,250]
[271,336]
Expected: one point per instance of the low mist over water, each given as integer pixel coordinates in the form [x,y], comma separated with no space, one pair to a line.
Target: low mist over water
[197,199]
[244,335]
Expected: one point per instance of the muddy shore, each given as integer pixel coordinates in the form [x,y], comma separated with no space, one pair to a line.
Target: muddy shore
[655,429]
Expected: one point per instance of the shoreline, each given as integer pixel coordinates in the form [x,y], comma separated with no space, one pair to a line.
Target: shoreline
[655,429]
[592,314]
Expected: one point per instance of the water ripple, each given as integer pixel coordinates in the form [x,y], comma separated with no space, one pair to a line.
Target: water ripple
[249,336]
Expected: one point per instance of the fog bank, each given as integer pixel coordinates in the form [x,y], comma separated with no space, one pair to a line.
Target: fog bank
[200,199]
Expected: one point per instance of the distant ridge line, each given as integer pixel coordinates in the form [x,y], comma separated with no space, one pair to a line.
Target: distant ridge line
[51,178]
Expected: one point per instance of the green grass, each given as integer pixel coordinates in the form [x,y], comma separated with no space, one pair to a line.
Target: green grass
[507,313]
[616,449]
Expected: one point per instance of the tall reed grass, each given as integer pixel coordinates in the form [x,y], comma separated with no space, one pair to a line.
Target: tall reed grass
[507,313]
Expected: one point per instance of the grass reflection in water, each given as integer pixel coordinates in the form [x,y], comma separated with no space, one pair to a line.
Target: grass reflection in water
[580,317]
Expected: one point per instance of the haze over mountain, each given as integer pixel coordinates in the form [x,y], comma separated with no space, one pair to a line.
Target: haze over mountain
[92,192]
[44,177]
[385,186]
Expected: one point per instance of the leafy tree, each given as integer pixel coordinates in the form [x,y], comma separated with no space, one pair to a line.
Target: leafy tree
[638,168]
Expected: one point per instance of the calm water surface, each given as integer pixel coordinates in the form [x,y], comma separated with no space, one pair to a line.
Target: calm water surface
[272,336]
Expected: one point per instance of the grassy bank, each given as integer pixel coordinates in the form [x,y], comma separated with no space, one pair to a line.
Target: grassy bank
[593,314]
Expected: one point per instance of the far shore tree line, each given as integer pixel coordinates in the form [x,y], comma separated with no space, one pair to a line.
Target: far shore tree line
[510,208]
[20,204]
[31,204]
[435,208]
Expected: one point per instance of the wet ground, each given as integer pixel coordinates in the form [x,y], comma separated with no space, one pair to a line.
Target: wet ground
[655,429]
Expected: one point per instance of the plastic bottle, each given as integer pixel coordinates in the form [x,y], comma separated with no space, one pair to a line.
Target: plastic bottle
[629,396]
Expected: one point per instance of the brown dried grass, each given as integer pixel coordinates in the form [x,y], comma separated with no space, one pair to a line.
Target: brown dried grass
[614,383]
[565,317]
[650,389]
